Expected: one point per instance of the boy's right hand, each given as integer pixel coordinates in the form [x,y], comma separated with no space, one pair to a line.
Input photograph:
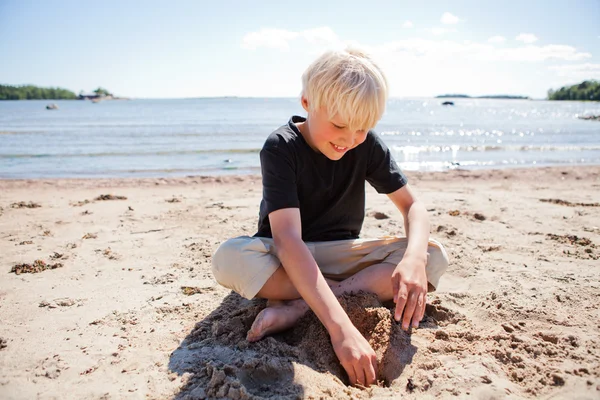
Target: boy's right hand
[356,356]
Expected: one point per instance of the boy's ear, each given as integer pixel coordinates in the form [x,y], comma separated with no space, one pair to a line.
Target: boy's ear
[304,102]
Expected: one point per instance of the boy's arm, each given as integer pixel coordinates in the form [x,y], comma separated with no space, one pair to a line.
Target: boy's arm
[409,281]
[353,351]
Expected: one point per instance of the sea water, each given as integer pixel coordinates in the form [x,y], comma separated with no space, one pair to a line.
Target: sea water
[215,136]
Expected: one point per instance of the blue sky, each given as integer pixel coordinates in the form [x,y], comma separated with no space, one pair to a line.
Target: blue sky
[176,49]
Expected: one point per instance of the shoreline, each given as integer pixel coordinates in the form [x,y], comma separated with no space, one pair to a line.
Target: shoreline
[133,311]
[255,171]
[256,177]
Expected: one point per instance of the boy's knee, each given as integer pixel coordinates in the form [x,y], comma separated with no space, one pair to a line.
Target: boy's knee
[227,254]
[437,262]
[244,264]
[437,254]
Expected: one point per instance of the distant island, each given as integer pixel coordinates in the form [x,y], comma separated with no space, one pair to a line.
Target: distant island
[584,91]
[494,96]
[31,92]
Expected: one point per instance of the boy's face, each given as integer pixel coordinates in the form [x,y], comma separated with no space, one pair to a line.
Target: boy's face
[331,137]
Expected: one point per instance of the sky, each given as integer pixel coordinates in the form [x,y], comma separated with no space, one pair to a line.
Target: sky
[181,49]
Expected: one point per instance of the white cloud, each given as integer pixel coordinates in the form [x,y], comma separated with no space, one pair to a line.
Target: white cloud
[497,39]
[449,19]
[527,38]
[542,53]
[474,67]
[577,71]
[441,31]
[444,49]
[324,37]
[269,38]
[280,38]
[407,24]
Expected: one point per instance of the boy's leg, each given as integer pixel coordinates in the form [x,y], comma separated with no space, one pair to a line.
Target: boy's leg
[347,258]
[279,287]
[249,266]
[244,264]
[383,255]
[281,315]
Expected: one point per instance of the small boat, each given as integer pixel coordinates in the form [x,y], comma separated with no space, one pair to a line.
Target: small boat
[52,106]
[448,103]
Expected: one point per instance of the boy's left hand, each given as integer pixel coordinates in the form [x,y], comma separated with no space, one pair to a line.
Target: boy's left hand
[409,285]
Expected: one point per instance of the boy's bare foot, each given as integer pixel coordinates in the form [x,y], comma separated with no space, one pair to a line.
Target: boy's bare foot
[277,317]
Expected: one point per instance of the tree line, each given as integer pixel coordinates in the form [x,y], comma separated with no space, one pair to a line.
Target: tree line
[586,90]
[30,92]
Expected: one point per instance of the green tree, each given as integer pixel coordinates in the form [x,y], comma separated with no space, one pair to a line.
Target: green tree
[102,92]
[584,91]
[30,92]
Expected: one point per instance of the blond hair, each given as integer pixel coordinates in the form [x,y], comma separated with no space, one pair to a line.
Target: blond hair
[347,84]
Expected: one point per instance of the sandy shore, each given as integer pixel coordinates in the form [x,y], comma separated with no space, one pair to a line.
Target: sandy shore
[127,307]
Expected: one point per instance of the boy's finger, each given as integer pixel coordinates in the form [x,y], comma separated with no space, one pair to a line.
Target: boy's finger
[370,374]
[400,302]
[395,287]
[360,376]
[409,310]
[418,311]
[351,374]
[424,307]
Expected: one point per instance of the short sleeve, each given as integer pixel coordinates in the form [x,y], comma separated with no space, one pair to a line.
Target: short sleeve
[383,172]
[278,176]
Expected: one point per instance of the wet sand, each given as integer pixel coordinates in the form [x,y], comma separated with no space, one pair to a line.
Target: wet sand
[113,297]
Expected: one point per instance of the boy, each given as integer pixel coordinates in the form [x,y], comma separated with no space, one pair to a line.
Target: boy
[307,250]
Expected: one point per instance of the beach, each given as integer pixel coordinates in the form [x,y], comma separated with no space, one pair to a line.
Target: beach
[124,305]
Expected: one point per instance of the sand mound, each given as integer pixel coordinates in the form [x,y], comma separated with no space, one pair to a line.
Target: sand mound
[507,354]
[224,364]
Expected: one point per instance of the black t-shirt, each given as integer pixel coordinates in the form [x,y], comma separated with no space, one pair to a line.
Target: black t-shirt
[330,194]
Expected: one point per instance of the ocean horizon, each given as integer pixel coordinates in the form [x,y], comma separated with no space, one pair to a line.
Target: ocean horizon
[223,135]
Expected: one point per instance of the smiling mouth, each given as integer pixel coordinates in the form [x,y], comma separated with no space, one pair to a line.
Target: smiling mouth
[338,148]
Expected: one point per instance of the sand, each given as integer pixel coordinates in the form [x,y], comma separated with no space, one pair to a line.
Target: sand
[112,297]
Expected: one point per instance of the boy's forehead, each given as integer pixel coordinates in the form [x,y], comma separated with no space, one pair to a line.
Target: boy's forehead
[335,117]
[339,120]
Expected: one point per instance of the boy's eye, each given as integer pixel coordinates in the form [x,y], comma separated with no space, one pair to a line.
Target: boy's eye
[339,127]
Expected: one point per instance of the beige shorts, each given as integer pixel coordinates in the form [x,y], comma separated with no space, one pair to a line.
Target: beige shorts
[244,264]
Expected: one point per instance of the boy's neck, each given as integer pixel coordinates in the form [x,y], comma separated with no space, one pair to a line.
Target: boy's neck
[303,128]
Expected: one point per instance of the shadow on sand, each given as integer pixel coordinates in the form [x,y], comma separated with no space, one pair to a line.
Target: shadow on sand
[222,364]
